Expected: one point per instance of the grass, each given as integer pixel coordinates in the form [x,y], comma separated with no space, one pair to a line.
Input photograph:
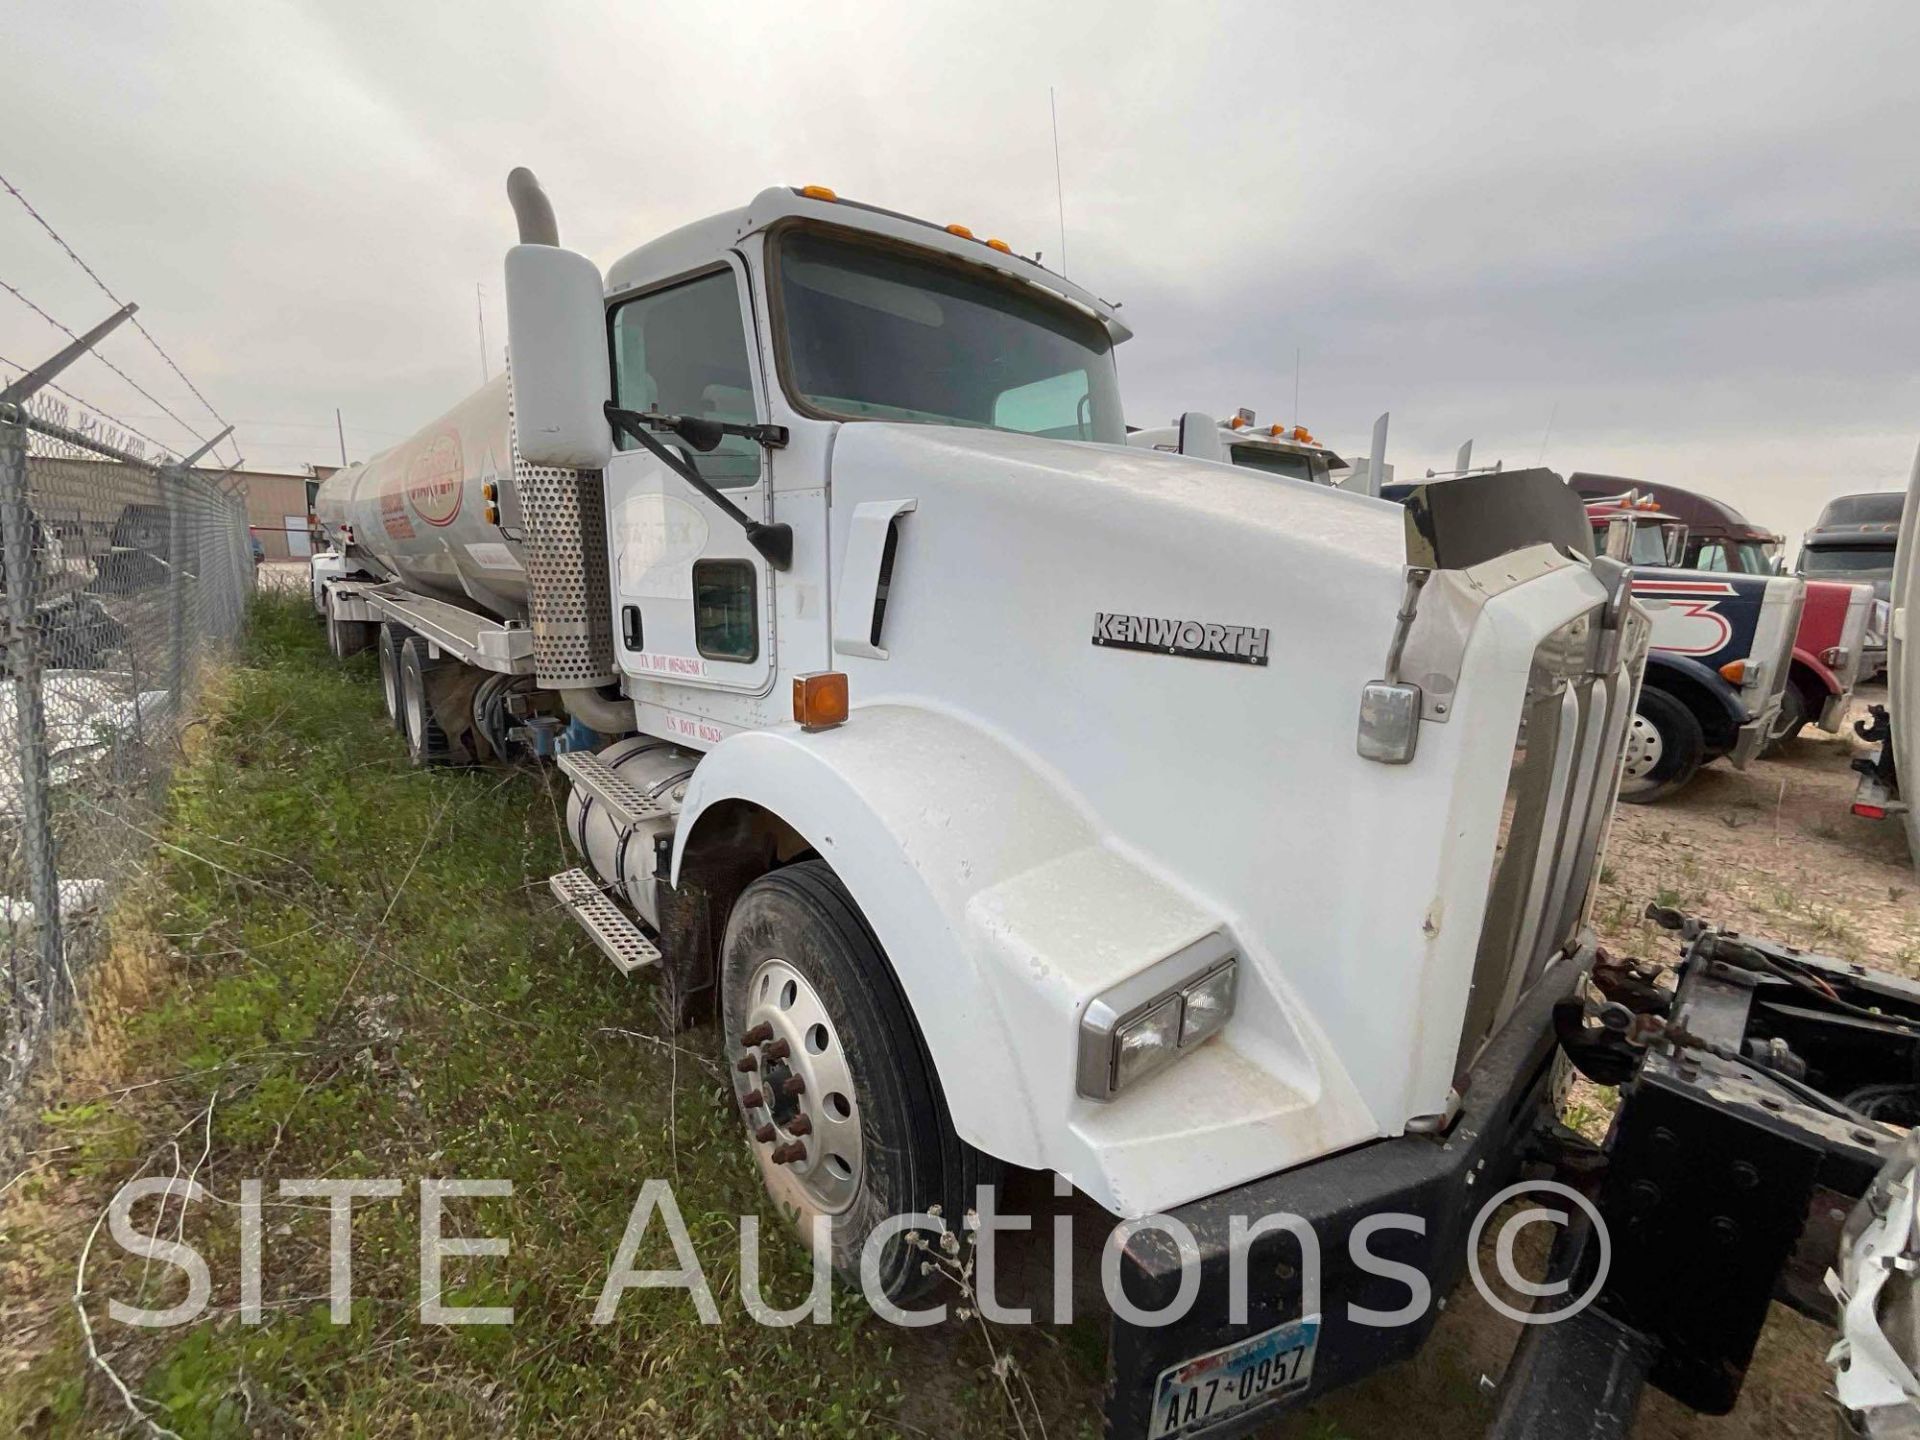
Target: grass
[337,966]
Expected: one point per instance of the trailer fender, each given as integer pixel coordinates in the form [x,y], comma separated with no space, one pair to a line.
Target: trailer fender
[1714,702]
[986,883]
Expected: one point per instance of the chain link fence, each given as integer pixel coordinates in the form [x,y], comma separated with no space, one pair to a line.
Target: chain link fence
[120,579]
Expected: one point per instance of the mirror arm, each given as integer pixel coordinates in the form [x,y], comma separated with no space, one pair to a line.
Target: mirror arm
[775,542]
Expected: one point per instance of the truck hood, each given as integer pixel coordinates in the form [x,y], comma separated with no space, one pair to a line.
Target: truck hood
[1178,649]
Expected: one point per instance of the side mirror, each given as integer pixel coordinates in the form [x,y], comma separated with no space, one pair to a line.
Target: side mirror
[557,351]
[1200,437]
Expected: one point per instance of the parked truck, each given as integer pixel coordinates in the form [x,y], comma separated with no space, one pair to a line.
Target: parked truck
[997,785]
[1722,650]
[1288,450]
[1827,648]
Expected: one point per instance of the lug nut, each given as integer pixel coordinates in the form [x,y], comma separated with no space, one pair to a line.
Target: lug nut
[746,1063]
[764,1134]
[752,1099]
[794,1085]
[800,1125]
[788,1153]
[758,1035]
[779,1050]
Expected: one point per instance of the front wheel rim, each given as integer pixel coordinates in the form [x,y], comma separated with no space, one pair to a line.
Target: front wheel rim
[1645,747]
[794,1038]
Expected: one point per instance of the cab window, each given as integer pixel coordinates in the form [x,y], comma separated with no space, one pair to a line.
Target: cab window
[683,351]
[1713,556]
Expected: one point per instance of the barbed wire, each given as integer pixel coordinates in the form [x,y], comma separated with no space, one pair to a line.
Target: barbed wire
[82,401]
[17,294]
[106,290]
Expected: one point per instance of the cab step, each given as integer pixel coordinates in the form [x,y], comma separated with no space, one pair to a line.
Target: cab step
[626,804]
[606,922]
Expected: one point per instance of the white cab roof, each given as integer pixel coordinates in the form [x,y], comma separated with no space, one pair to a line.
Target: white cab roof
[704,241]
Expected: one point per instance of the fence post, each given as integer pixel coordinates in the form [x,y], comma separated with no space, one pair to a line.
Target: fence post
[22,561]
[173,481]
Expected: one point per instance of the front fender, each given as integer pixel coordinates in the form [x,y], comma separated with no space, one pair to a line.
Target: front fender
[1719,694]
[1818,669]
[1004,909]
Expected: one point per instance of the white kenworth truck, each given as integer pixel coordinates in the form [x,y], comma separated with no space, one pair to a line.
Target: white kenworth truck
[1014,796]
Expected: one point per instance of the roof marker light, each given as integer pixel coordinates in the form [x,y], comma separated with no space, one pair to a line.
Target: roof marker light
[818,192]
[1002,246]
[962,231]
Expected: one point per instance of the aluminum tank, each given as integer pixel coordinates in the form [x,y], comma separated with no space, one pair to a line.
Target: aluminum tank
[416,512]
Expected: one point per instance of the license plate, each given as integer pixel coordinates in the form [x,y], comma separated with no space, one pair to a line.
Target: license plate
[1257,1371]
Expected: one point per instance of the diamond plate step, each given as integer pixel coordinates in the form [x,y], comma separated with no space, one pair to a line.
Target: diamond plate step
[605,921]
[626,804]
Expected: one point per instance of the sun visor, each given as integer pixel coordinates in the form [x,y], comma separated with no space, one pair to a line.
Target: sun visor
[1456,524]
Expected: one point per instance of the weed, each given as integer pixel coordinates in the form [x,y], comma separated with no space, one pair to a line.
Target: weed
[361,974]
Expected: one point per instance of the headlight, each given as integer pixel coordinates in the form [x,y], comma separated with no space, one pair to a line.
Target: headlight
[1146,1023]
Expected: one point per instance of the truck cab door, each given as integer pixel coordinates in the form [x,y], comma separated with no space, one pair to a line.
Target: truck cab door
[693,601]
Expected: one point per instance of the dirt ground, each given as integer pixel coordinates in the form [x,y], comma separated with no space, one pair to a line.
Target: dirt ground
[1774,850]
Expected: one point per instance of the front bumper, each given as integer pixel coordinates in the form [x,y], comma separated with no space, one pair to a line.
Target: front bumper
[1440,1179]
[1749,739]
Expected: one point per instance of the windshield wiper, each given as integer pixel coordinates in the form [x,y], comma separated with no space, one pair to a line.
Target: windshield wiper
[775,541]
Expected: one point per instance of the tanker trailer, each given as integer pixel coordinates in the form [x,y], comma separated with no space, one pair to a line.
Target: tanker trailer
[438,512]
[429,561]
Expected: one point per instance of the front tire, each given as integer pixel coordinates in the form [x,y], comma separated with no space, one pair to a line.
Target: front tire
[1665,748]
[808,994]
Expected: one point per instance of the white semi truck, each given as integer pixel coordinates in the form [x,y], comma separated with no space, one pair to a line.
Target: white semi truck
[1012,795]
[1288,450]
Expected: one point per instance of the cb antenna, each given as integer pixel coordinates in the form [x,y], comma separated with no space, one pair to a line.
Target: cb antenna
[480,312]
[1059,190]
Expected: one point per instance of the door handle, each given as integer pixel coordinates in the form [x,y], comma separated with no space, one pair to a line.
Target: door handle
[630,632]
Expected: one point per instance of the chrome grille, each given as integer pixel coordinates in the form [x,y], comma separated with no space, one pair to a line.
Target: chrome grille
[1553,822]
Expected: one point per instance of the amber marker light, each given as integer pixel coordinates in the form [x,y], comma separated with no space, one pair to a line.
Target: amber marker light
[820,699]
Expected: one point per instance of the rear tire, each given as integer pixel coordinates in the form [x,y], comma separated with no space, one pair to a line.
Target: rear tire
[347,638]
[1665,748]
[798,957]
[427,742]
[391,638]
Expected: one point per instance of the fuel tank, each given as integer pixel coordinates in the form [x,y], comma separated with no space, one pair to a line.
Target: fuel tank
[418,513]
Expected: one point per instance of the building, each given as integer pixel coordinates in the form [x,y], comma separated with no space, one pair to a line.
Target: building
[279,508]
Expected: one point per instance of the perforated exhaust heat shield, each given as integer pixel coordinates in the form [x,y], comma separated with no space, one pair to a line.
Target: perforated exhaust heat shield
[569,602]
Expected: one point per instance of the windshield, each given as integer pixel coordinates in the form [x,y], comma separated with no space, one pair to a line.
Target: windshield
[1860,560]
[1282,462]
[876,333]
[1877,509]
[1649,544]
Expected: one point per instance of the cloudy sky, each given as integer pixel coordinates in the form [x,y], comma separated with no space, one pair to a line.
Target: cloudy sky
[1677,241]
